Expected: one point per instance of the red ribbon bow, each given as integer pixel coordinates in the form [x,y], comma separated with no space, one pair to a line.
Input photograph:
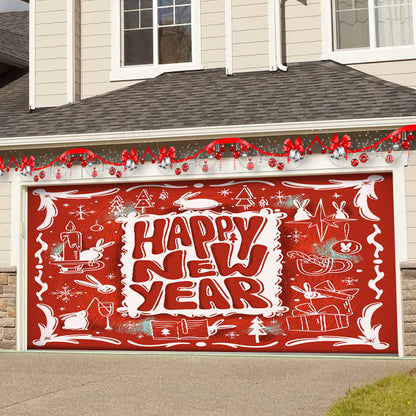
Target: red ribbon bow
[27,162]
[171,153]
[345,143]
[288,145]
[125,156]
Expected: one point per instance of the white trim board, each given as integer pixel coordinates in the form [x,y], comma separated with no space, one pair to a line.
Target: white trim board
[203,132]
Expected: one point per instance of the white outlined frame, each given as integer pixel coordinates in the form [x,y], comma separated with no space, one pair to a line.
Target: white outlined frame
[19,224]
[137,72]
[362,55]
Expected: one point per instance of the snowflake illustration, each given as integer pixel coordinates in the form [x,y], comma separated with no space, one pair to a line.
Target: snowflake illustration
[296,235]
[225,192]
[263,202]
[280,198]
[164,195]
[111,276]
[81,213]
[336,195]
[67,293]
[232,335]
[350,281]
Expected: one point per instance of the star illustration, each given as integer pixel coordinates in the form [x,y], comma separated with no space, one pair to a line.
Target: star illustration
[321,221]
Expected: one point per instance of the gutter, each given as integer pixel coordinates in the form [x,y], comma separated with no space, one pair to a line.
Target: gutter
[201,133]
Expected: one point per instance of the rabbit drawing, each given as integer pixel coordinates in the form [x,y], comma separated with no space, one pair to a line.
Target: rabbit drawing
[184,202]
[340,214]
[302,213]
[96,284]
[76,321]
[307,291]
[346,247]
[95,253]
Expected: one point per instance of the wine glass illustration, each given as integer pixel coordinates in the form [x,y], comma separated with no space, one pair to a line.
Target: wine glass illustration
[106,309]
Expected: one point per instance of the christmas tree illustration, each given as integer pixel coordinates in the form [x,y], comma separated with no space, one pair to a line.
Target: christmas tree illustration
[244,198]
[117,205]
[144,200]
[257,328]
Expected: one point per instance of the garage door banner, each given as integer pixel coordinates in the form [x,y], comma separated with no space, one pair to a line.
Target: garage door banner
[303,264]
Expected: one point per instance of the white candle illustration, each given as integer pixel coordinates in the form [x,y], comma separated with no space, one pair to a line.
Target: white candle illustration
[72,241]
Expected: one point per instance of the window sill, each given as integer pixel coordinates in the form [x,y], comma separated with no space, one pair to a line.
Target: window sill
[149,71]
[360,56]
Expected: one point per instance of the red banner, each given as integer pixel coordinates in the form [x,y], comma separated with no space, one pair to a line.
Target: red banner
[262,264]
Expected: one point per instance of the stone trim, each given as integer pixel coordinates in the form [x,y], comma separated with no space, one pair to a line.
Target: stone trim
[408,270]
[7,307]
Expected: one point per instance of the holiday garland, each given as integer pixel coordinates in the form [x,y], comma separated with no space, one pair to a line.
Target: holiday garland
[166,159]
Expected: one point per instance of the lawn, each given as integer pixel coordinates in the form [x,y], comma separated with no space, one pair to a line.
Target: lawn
[393,395]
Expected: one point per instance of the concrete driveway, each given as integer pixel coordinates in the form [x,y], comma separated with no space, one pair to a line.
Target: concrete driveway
[180,385]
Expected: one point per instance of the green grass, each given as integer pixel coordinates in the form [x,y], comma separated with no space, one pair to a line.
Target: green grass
[393,395]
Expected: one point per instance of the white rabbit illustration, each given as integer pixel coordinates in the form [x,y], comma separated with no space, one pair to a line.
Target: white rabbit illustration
[95,283]
[346,247]
[302,213]
[184,202]
[95,253]
[308,293]
[76,321]
[340,214]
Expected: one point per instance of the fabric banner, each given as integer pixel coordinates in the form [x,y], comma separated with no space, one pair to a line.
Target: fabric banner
[302,264]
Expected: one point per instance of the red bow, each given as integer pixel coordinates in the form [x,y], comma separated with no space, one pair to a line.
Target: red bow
[211,150]
[345,143]
[125,156]
[289,145]
[244,148]
[27,162]
[171,153]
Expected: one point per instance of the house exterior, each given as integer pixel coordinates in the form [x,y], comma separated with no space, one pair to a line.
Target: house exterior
[210,175]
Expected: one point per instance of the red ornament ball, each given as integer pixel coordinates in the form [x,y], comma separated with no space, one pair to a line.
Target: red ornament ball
[94,173]
[323,150]
[410,137]
[218,155]
[58,175]
[363,157]
[232,147]
[205,168]
[237,154]
[84,163]
[142,161]
[153,160]
[355,163]
[389,159]
[41,174]
[118,174]
[36,178]
[178,171]
[405,144]
[272,162]
[250,165]
[310,151]
[222,148]
[112,171]
[280,166]
[80,158]
[185,167]
[72,158]
[16,169]
[69,165]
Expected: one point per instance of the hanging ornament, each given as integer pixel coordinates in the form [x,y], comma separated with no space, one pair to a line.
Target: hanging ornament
[244,149]
[250,164]
[142,161]
[210,151]
[310,151]
[205,167]
[129,159]
[293,150]
[363,157]
[84,163]
[389,158]
[118,174]
[178,171]
[272,162]
[58,174]
[112,171]
[355,163]
[218,155]
[94,173]
[232,147]
[323,150]
[69,165]
[185,167]
[410,137]
[405,144]
[222,148]
[237,154]
[42,174]
[166,157]
[27,165]
[280,166]
[36,178]
[339,148]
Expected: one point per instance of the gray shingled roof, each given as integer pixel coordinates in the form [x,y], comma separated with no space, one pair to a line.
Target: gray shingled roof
[14,38]
[310,91]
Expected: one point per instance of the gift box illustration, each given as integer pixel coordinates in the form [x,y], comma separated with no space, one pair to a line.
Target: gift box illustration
[328,310]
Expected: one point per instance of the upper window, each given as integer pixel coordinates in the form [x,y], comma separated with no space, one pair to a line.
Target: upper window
[155,36]
[371,30]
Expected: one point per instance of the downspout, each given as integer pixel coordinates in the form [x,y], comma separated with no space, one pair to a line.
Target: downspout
[228,37]
[279,46]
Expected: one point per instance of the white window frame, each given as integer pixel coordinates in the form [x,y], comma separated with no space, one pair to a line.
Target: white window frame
[362,55]
[134,72]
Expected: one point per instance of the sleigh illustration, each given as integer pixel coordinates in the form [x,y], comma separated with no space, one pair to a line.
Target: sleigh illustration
[78,266]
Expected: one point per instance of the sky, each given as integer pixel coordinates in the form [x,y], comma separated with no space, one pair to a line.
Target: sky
[12,5]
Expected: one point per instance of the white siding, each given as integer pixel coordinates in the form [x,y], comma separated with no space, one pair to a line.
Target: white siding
[410,174]
[50,53]
[5,218]
[302,28]
[400,72]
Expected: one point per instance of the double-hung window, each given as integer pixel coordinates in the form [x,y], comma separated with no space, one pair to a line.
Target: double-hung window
[369,30]
[155,36]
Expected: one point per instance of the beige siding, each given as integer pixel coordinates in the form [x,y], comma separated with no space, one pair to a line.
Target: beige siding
[50,53]
[410,174]
[400,72]
[302,26]
[5,218]
[250,35]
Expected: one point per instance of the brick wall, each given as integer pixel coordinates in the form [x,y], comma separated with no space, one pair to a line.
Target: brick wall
[7,308]
[409,307]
